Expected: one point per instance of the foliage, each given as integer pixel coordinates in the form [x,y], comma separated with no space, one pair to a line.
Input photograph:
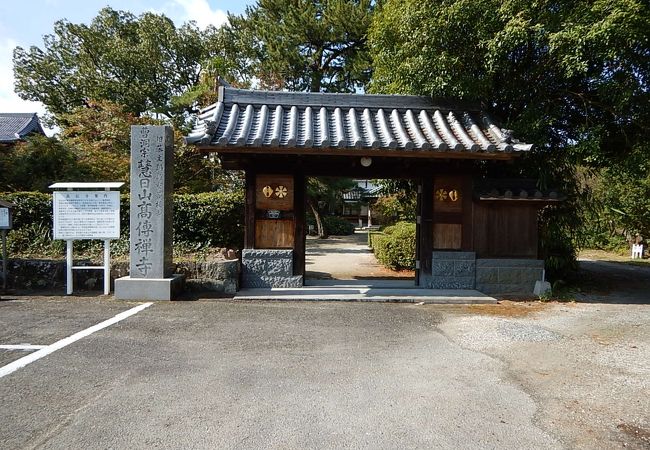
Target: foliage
[37,163]
[332,225]
[626,201]
[617,210]
[100,134]
[30,208]
[337,226]
[212,219]
[395,248]
[323,192]
[200,220]
[571,77]
[303,45]
[144,63]
[392,208]
[371,237]
[95,146]
[569,73]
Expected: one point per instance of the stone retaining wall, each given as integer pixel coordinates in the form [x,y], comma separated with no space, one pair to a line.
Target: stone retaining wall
[453,270]
[508,276]
[268,269]
[217,276]
[461,270]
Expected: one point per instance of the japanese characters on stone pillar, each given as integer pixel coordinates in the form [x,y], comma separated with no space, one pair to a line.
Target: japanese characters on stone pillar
[151,217]
[151,188]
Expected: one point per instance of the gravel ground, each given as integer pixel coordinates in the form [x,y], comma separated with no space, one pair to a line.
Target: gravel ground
[587,366]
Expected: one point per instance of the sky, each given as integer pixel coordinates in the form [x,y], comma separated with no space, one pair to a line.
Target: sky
[25,23]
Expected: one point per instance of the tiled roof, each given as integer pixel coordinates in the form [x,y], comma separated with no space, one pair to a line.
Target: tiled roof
[515,190]
[298,120]
[16,126]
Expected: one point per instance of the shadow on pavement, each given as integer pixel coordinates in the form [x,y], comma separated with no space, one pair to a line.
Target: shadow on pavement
[613,282]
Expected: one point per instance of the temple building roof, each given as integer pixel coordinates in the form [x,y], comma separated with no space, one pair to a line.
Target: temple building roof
[17,126]
[318,123]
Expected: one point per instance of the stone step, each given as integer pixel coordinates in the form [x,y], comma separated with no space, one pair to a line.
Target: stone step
[367,294]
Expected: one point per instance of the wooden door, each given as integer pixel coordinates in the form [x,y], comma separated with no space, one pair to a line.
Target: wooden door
[448,201]
[274,211]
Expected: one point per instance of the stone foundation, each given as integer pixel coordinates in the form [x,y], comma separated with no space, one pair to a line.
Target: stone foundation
[453,270]
[268,269]
[508,276]
[461,270]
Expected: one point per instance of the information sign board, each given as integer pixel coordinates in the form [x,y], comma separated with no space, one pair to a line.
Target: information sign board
[86,215]
[4,218]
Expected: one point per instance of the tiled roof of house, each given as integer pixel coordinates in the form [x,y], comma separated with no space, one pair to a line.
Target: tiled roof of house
[16,126]
[298,120]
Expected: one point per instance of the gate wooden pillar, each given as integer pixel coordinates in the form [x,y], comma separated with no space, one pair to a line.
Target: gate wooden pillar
[425,231]
[249,210]
[299,223]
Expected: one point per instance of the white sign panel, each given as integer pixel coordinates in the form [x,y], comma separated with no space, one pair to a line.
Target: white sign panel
[4,217]
[86,215]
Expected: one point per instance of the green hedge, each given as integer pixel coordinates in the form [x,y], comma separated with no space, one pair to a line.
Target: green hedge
[395,248]
[210,219]
[372,236]
[334,225]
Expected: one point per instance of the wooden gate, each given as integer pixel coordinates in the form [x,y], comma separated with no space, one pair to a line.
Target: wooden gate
[274,211]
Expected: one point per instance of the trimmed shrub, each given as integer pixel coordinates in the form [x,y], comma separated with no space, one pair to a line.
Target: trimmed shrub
[372,235]
[32,208]
[335,226]
[210,219]
[395,248]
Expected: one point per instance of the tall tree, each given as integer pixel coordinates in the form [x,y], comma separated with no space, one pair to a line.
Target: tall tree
[571,76]
[100,136]
[305,45]
[36,163]
[143,63]
[567,73]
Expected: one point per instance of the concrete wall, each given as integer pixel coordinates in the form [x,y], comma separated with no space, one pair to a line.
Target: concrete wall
[508,276]
[268,269]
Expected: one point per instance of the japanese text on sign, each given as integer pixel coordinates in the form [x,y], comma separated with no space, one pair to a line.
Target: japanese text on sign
[4,217]
[87,215]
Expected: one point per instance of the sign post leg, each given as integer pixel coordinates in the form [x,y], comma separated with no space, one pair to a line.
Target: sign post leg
[68,266]
[4,260]
[107,267]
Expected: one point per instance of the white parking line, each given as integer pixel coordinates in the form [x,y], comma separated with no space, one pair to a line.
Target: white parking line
[22,362]
[25,347]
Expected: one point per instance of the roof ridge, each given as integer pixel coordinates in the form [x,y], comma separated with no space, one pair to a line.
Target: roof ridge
[344,100]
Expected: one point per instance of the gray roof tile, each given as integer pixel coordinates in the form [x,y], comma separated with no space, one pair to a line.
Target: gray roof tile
[293,120]
[16,126]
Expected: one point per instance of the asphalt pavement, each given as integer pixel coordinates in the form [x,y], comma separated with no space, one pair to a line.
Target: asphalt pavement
[256,375]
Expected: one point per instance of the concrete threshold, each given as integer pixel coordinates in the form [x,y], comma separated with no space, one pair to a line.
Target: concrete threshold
[355,293]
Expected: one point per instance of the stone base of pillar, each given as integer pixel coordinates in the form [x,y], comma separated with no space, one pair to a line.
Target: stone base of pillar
[127,288]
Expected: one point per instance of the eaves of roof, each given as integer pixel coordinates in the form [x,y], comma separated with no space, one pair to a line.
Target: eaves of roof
[318,123]
[17,126]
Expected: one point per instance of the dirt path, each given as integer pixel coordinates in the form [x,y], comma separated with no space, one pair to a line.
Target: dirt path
[346,258]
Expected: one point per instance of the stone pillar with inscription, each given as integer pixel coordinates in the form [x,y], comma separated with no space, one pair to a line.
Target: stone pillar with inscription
[151,275]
